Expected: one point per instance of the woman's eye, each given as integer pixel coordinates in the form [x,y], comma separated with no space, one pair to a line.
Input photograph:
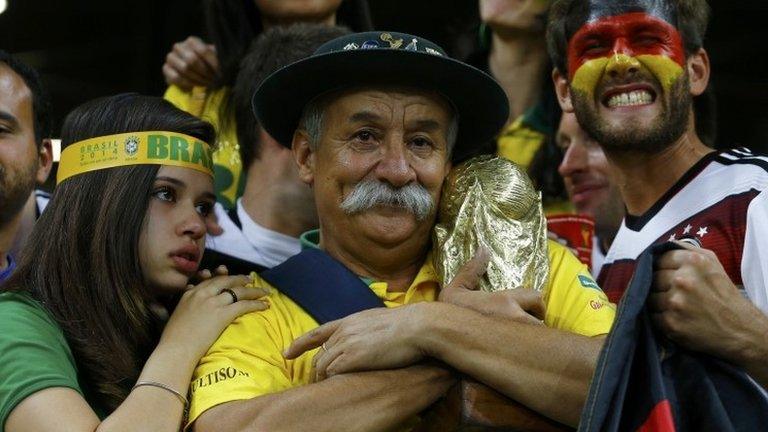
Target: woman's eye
[204,208]
[164,194]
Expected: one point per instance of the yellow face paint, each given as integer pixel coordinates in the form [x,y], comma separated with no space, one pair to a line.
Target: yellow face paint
[588,75]
[666,70]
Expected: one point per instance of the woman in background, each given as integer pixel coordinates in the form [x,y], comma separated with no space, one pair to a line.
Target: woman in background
[200,75]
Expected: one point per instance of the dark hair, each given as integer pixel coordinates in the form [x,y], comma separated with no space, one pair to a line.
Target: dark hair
[41,105]
[81,261]
[233,24]
[273,49]
[705,116]
[692,21]
[543,168]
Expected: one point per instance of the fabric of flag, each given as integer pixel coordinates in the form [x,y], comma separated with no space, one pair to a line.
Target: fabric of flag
[643,382]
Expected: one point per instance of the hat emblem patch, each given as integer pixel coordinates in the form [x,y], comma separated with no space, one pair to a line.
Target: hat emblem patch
[393,43]
[412,46]
[369,44]
[351,46]
[433,51]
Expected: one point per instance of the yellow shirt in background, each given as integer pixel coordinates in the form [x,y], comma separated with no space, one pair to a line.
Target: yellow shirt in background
[246,361]
[204,103]
[519,143]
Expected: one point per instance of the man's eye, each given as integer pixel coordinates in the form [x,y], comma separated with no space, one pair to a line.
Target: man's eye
[364,135]
[164,194]
[593,48]
[421,142]
[204,208]
[649,41]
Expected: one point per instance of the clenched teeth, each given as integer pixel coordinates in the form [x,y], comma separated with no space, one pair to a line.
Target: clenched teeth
[635,97]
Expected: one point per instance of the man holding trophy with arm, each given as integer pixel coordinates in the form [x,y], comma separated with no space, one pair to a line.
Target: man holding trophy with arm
[375,120]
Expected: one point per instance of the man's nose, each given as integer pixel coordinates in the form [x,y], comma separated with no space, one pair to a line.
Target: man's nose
[394,166]
[574,160]
[622,62]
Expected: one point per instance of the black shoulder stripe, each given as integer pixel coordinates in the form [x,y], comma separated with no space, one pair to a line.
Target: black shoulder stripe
[756,161]
[738,152]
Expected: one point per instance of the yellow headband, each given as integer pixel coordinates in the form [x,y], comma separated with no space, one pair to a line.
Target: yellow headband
[135,148]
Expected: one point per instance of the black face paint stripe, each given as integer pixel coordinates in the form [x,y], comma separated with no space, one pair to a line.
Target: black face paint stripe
[582,12]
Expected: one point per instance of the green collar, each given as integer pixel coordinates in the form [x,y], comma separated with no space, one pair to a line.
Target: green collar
[310,239]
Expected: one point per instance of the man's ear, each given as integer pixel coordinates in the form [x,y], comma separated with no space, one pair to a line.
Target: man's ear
[304,156]
[698,71]
[45,161]
[563,91]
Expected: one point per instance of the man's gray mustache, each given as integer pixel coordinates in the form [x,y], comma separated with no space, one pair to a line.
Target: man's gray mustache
[368,194]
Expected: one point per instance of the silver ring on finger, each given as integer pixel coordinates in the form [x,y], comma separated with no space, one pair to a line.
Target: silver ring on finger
[230,292]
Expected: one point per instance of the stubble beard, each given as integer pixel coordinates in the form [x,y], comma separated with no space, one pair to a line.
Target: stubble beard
[14,191]
[667,128]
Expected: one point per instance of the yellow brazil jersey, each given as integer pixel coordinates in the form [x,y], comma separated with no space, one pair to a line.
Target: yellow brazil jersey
[246,361]
[519,143]
[204,103]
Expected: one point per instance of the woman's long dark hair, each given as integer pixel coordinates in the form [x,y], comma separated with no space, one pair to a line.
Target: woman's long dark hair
[81,261]
[233,25]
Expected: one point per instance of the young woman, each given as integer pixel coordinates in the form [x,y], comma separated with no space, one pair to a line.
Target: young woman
[85,341]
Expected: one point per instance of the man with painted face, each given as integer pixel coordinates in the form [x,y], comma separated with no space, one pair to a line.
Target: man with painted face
[359,316]
[629,70]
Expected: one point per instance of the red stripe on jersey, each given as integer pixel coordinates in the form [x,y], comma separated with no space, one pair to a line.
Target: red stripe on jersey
[720,228]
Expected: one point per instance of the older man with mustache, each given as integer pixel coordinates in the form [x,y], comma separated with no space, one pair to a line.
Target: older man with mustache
[374,120]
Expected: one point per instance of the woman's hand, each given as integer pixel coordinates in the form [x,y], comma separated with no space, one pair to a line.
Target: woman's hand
[207,308]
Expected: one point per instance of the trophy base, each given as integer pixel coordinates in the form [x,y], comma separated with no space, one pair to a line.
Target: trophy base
[470,406]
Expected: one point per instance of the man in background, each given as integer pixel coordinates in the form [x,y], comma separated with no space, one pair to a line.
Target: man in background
[263,228]
[587,176]
[25,153]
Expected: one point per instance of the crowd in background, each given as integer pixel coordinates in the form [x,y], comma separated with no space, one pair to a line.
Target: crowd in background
[178,286]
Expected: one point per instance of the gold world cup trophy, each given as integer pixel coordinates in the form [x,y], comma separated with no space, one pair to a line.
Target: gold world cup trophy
[489,202]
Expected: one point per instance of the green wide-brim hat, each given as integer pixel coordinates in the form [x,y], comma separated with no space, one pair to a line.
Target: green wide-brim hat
[386,58]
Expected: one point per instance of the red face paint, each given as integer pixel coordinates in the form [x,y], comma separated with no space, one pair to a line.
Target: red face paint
[632,34]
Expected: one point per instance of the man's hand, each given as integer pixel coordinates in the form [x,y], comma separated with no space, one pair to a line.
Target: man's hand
[697,306]
[373,339]
[190,63]
[522,305]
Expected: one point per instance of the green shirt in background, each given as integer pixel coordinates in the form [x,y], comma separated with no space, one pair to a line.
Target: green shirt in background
[34,355]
